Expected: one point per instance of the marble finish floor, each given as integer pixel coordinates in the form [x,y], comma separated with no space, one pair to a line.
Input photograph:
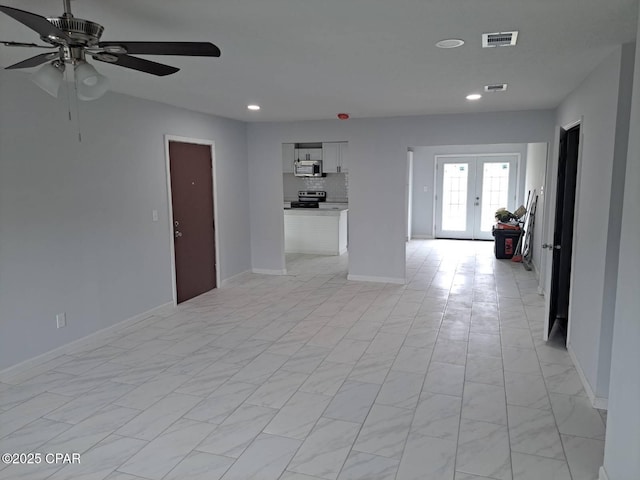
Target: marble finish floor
[309,376]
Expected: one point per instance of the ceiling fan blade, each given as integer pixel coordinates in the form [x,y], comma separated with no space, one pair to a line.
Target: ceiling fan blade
[195,49]
[22,44]
[140,64]
[35,22]
[33,61]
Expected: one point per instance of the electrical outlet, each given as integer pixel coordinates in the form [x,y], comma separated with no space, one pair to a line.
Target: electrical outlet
[61,320]
[154,215]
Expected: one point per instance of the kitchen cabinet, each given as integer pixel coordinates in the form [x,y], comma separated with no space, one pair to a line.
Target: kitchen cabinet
[308,154]
[314,231]
[288,157]
[334,157]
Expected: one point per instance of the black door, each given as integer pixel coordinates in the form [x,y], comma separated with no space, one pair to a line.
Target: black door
[563,230]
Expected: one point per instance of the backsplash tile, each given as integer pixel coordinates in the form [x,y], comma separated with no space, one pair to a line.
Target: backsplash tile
[335,184]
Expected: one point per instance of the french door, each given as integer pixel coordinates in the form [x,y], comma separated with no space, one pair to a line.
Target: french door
[469,190]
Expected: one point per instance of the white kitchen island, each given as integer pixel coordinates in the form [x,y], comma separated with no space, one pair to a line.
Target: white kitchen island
[316,231]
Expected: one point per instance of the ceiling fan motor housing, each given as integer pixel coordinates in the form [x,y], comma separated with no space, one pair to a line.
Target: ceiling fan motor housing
[82,32]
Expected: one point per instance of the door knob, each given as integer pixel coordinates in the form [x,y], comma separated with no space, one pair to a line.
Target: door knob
[178,233]
[546,245]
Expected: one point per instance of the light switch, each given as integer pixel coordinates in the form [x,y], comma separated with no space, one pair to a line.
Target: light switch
[425,189]
[154,214]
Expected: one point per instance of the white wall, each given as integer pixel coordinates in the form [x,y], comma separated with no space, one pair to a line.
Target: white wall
[534,181]
[377,176]
[76,229]
[424,176]
[621,459]
[596,101]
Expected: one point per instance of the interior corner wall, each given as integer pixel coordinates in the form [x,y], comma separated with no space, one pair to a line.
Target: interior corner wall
[424,178]
[621,461]
[596,101]
[76,227]
[534,182]
[377,176]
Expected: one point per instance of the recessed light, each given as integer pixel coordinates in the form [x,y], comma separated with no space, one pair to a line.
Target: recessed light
[253,107]
[450,43]
[474,96]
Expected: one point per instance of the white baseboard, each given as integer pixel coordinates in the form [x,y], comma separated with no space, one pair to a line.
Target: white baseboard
[603,474]
[597,402]
[75,345]
[267,271]
[421,237]
[367,278]
[233,277]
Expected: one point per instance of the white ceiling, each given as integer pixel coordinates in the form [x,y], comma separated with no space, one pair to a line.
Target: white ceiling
[311,59]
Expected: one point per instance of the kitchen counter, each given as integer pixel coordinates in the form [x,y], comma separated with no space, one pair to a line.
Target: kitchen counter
[333,211]
[318,231]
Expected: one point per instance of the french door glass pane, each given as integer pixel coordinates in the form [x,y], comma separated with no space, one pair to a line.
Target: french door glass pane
[454,197]
[495,192]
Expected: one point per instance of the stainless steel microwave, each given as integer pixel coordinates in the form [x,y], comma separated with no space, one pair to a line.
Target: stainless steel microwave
[308,168]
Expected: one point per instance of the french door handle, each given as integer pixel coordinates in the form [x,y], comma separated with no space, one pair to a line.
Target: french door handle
[551,247]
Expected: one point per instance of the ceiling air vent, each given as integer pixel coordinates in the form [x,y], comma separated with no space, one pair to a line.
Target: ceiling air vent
[499,39]
[496,87]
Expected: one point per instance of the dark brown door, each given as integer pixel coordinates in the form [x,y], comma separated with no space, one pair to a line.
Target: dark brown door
[193,223]
[563,230]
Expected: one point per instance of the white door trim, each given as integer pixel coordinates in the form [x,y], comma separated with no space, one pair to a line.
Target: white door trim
[196,141]
[475,155]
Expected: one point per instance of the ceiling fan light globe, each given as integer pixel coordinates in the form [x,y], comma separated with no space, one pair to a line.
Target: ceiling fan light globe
[95,90]
[86,74]
[48,78]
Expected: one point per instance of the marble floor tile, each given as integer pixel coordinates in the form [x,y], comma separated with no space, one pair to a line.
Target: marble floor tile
[237,432]
[310,376]
[275,391]
[101,460]
[520,360]
[151,391]
[222,402]
[260,369]
[562,379]
[161,455]
[352,402]
[298,416]
[534,432]
[584,456]
[326,448]
[483,449]
[446,351]
[412,360]
[531,467]
[426,458]
[28,411]
[208,380]
[484,369]
[372,467]
[152,421]
[575,416]
[384,432]
[265,459]
[444,378]
[372,368]
[526,390]
[484,403]
[84,435]
[199,466]
[327,378]
[437,416]
[306,360]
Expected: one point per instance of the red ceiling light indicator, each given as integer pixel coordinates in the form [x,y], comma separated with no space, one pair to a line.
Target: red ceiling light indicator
[343,116]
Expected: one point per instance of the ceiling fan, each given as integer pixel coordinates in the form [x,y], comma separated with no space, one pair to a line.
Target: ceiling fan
[74,39]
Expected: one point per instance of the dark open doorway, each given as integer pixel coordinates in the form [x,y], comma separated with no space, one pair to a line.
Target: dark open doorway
[563,230]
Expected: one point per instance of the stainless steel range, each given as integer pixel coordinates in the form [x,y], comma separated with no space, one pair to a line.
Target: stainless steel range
[309,199]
